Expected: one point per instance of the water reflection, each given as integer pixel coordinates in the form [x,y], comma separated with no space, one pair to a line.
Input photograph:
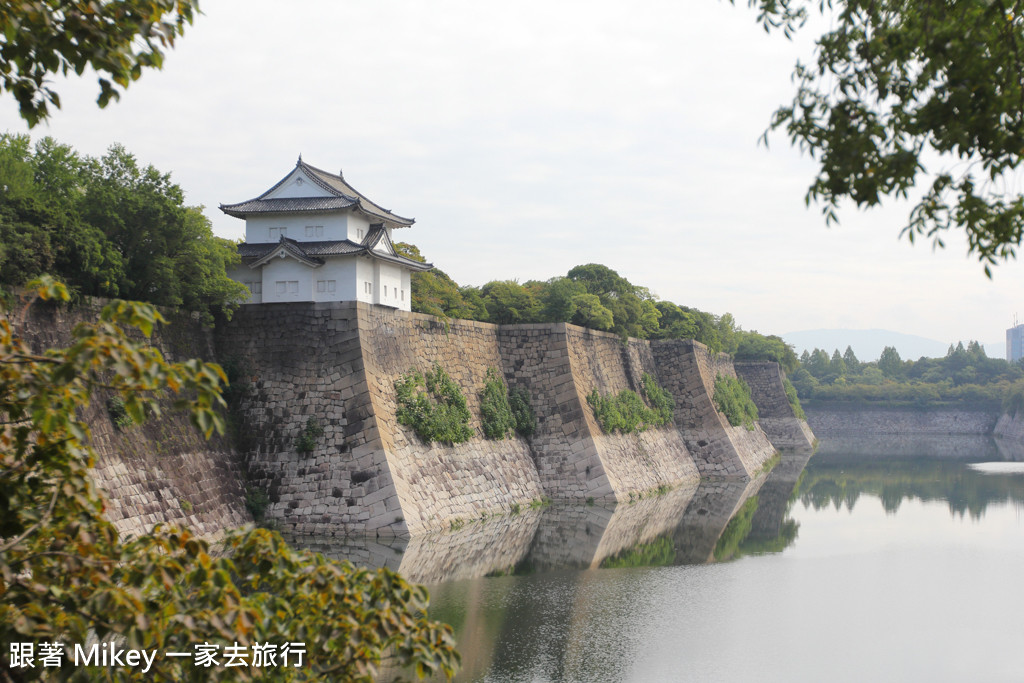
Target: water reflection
[652,590]
[933,469]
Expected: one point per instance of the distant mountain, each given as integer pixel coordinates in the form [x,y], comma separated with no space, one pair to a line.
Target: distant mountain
[868,344]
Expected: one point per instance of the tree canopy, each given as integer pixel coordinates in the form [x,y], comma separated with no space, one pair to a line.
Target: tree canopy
[108,227]
[117,39]
[907,93]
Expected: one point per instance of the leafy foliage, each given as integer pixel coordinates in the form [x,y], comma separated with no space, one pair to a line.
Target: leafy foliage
[118,414]
[627,413]
[434,406]
[108,227]
[66,574]
[793,398]
[965,376]
[896,83]
[495,411]
[307,440]
[505,411]
[732,399]
[116,39]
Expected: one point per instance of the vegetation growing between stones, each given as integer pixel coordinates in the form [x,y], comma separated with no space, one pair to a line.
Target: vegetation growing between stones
[732,399]
[118,414]
[627,413]
[793,398]
[433,405]
[310,436]
[65,572]
[504,411]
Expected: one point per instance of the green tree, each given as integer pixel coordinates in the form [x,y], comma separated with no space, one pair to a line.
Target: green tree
[65,573]
[509,302]
[853,364]
[895,84]
[589,312]
[117,39]
[890,362]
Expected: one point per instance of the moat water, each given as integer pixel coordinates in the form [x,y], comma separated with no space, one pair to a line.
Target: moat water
[878,559]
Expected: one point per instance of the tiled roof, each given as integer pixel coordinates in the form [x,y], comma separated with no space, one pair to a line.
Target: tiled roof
[288,205]
[253,253]
[344,196]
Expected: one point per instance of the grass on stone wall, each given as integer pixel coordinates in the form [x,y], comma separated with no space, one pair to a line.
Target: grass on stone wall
[627,413]
[732,399]
[433,405]
[309,437]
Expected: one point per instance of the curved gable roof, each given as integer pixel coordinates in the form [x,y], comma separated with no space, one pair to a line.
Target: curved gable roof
[342,196]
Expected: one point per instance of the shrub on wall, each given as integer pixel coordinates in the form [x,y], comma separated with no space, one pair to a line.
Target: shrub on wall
[504,411]
[627,413]
[308,438]
[495,411]
[794,400]
[522,411]
[732,399]
[433,405]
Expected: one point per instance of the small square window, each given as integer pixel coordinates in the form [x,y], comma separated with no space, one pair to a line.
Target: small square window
[279,286]
[257,287]
[321,285]
[293,286]
[368,288]
[385,290]
[332,285]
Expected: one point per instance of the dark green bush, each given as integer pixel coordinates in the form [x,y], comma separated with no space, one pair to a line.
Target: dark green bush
[732,399]
[794,400]
[308,438]
[522,411]
[495,412]
[433,405]
[119,414]
[627,413]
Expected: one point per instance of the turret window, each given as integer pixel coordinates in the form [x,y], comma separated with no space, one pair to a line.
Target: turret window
[278,233]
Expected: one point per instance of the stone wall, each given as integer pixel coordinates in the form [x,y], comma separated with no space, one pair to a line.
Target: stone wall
[162,471]
[832,420]
[775,414]
[633,462]
[688,370]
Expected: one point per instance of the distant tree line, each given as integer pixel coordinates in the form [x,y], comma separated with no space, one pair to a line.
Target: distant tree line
[964,375]
[108,227]
[592,296]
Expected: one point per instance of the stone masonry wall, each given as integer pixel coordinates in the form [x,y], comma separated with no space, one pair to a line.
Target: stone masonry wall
[439,483]
[688,370]
[775,414]
[633,462]
[162,471]
[827,421]
[536,357]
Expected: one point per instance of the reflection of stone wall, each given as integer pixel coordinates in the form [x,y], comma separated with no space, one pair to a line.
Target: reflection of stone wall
[163,471]
[828,420]
[712,506]
[688,370]
[1010,427]
[775,414]
[883,446]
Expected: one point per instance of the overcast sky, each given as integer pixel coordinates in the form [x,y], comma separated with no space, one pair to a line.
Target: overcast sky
[533,136]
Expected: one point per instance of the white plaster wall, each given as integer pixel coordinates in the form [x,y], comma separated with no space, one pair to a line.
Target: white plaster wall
[342,271]
[357,222]
[382,245]
[298,184]
[257,228]
[288,270]
[250,278]
[389,280]
[405,293]
[365,273]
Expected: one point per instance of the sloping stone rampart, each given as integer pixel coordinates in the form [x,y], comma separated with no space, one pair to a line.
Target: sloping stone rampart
[439,483]
[643,461]
[688,370]
[163,471]
[775,414]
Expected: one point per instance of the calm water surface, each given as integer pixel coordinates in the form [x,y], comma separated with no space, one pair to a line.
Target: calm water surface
[874,560]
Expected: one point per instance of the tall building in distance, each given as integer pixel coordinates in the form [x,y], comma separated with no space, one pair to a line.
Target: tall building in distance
[1015,342]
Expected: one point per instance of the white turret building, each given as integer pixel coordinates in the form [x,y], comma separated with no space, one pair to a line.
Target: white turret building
[313,237]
